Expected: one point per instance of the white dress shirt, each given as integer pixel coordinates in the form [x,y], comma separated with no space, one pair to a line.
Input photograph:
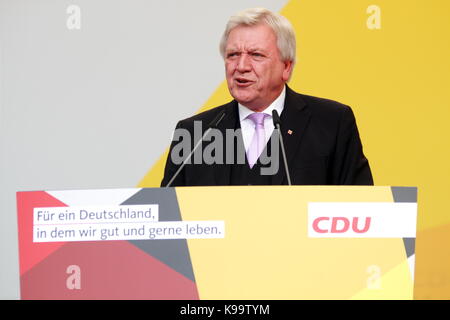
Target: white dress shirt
[248,126]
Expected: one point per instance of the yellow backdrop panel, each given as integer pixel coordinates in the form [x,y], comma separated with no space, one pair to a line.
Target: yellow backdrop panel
[396,77]
[267,254]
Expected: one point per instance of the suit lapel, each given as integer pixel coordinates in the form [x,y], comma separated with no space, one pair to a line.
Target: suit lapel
[222,171]
[294,119]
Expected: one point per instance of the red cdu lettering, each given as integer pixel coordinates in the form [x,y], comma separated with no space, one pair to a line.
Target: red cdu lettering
[343,227]
[341,224]
[316,225]
[366,225]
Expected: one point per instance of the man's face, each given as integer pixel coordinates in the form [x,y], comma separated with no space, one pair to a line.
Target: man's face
[254,69]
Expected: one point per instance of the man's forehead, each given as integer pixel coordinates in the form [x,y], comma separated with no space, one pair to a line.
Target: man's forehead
[258,37]
[244,46]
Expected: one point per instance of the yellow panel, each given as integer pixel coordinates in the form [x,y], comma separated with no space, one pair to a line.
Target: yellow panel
[432,269]
[266,253]
[397,81]
[395,284]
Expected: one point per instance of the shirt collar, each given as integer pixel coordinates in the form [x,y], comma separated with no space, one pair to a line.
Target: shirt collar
[277,104]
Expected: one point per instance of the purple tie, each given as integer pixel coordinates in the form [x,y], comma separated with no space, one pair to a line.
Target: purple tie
[259,138]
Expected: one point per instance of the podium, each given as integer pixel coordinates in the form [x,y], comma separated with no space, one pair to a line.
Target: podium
[207,243]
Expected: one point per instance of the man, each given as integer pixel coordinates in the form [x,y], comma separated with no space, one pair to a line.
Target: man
[320,136]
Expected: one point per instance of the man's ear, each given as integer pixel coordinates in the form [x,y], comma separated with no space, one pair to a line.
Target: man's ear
[287,71]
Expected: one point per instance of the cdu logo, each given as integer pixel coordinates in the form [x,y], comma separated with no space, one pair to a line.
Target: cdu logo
[362,220]
[341,224]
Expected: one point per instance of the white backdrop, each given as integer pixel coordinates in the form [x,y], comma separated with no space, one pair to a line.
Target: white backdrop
[90,91]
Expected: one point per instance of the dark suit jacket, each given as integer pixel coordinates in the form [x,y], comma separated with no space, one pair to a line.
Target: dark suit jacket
[323,148]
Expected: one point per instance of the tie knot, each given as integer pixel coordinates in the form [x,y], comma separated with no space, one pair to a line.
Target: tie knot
[257,118]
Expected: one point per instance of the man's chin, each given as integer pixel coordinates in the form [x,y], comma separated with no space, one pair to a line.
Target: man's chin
[250,102]
[244,101]
[242,97]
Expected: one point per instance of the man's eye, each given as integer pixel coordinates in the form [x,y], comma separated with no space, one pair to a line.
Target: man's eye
[256,54]
[232,54]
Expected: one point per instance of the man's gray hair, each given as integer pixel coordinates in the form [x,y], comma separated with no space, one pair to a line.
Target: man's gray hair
[280,25]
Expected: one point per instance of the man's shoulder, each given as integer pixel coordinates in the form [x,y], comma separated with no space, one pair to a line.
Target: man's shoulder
[325,112]
[318,104]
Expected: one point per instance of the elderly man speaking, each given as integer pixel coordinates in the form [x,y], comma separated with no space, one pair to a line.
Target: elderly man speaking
[320,137]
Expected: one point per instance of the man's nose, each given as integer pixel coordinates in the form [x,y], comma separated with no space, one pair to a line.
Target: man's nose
[244,63]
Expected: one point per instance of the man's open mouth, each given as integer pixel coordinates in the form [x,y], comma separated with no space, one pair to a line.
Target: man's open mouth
[243,82]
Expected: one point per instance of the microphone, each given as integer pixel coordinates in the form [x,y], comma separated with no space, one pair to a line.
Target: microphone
[277,122]
[213,124]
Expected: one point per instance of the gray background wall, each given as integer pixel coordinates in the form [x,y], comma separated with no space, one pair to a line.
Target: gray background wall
[95,107]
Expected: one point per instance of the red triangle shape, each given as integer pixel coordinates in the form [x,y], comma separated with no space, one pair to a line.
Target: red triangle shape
[106,270]
[31,253]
